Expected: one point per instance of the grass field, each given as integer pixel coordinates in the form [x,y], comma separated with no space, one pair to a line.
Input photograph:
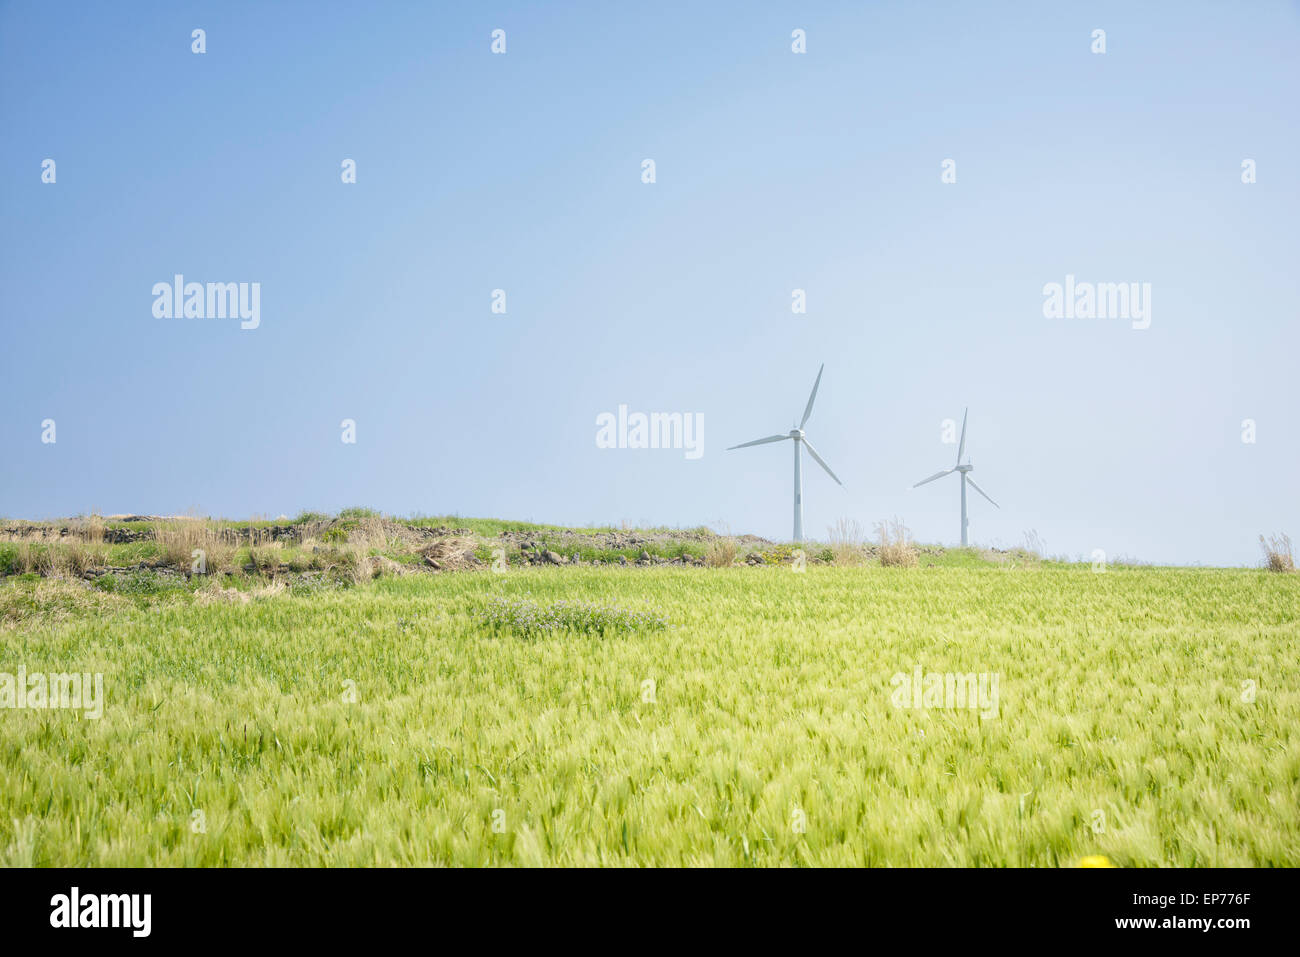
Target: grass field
[1149,715]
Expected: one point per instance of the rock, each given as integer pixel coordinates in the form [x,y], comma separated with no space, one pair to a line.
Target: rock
[645,556]
[553,558]
[622,559]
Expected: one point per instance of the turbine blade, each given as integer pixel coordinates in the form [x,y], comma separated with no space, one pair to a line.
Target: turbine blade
[818,459]
[981,491]
[811,398]
[936,475]
[961,449]
[770,438]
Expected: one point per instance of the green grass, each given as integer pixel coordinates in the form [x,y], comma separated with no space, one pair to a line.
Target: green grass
[493,527]
[631,553]
[525,616]
[1120,693]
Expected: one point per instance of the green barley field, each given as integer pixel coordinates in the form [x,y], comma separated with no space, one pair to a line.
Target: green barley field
[747,717]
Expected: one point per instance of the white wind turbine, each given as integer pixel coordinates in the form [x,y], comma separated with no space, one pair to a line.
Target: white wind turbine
[797,435]
[963,469]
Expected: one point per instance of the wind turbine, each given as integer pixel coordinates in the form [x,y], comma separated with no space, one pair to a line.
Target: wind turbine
[799,439]
[963,469]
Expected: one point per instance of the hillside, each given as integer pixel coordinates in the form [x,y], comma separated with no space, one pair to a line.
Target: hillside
[359,544]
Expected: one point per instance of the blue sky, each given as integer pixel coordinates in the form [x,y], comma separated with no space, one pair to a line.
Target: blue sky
[774,171]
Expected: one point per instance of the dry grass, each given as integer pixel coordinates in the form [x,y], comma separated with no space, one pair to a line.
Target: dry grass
[312,530]
[370,533]
[357,564]
[351,561]
[46,558]
[317,554]
[362,558]
[81,558]
[27,557]
[356,554]
[846,541]
[178,540]
[383,566]
[449,554]
[896,547]
[46,553]
[720,552]
[1034,544]
[90,528]
[213,593]
[1278,556]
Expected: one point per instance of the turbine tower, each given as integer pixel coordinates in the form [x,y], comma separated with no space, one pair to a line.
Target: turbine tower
[800,439]
[965,477]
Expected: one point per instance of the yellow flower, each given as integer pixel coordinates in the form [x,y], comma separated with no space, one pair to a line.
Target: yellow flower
[1095,860]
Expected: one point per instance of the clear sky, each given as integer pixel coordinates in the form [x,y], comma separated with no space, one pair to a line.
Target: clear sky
[774,170]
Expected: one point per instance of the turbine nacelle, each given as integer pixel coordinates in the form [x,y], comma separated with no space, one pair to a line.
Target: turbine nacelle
[800,440]
[963,471]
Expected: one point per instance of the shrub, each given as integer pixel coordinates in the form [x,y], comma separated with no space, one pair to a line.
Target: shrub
[359,512]
[1277,553]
